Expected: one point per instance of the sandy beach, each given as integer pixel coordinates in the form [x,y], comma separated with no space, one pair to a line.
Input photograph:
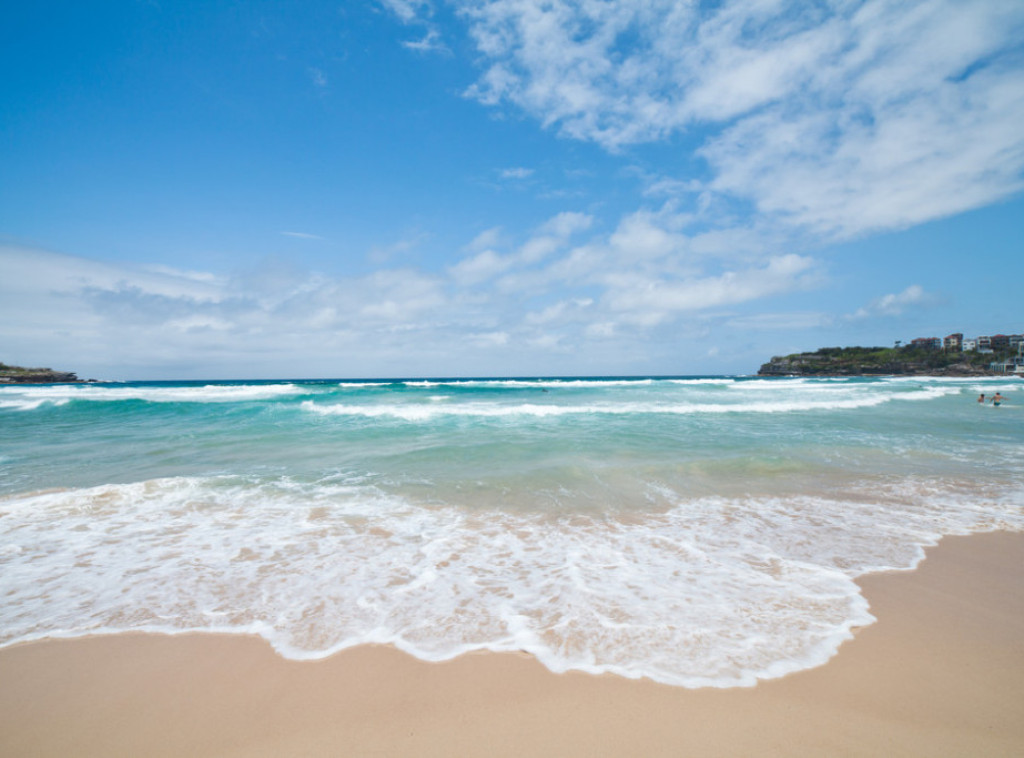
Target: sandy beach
[941,673]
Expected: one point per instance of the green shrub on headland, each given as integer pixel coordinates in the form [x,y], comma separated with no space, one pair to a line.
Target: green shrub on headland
[22,375]
[861,361]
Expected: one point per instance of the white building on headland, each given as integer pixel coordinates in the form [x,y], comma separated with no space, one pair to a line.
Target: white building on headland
[982,344]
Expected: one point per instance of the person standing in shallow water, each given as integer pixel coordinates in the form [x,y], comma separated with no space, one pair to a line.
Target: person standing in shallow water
[981,398]
[997,399]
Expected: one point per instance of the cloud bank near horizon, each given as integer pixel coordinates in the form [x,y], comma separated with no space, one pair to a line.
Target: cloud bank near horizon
[559,293]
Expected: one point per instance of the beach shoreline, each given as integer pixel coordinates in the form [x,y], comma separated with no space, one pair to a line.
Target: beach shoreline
[940,673]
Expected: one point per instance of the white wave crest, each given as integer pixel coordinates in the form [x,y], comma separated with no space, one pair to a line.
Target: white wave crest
[30,398]
[714,381]
[420,412]
[527,383]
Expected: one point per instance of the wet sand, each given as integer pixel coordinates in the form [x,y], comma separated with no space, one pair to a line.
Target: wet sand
[940,674]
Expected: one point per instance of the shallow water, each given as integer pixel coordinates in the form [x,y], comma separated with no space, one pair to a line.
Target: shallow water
[696,530]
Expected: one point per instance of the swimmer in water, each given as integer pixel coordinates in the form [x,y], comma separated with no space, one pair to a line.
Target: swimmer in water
[981,398]
[997,399]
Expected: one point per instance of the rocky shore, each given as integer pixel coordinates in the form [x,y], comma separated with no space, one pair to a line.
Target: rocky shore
[21,375]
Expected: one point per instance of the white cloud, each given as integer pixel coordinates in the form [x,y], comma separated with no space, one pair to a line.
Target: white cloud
[840,118]
[546,342]
[430,42]
[567,224]
[480,267]
[409,10]
[302,235]
[574,308]
[488,238]
[601,330]
[177,273]
[650,300]
[647,234]
[92,314]
[514,304]
[395,296]
[418,13]
[380,254]
[516,173]
[31,273]
[199,324]
[490,339]
[537,248]
[926,156]
[913,296]
[318,77]
[551,237]
[659,186]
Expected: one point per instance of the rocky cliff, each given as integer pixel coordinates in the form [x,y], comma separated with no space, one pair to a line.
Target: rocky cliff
[21,375]
[877,361]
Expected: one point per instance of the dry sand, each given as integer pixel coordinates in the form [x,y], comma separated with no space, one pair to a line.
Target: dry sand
[940,674]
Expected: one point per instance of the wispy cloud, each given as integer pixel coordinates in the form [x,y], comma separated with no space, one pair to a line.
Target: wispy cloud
[430,42]
[837,119]
[409,10]
[302,235]
[318,77]
[516,173]
[486,239]
[486,263]
[650,300]
[79,309]
[381,254]
[418,13]
[896,304]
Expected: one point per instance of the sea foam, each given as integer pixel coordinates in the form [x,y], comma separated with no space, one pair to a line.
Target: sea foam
[410,411]
[705,592]
[30,397]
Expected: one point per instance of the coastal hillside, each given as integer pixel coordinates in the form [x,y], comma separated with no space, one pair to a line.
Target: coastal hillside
[21,375]
[869,361]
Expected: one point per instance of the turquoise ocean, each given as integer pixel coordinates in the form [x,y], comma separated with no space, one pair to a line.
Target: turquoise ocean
[697,531]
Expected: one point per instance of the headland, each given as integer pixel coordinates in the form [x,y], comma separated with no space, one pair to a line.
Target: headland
[920,358]
[22,375]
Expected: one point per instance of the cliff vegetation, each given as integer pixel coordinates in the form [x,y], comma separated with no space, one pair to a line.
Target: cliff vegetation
[869,361]
[21,375]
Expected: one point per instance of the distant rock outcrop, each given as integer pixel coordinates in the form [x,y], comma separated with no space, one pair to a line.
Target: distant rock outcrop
[20,375]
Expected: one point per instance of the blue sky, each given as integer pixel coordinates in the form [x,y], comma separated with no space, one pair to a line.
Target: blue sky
[499,187]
